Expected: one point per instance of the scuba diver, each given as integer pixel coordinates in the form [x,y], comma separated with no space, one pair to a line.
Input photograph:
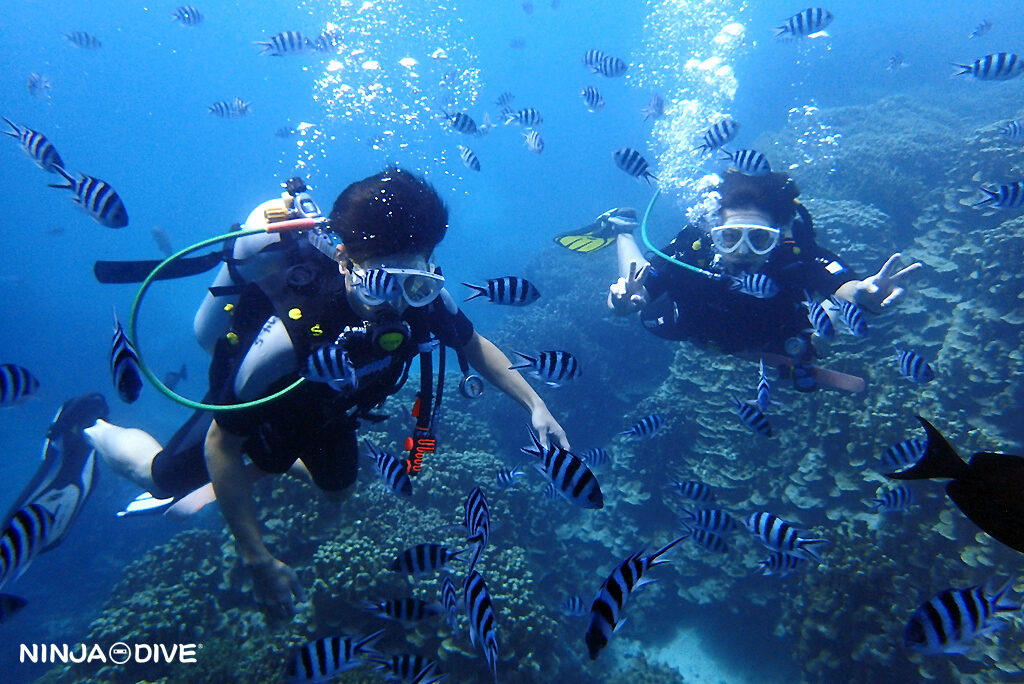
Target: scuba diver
[741,277]
[349,309]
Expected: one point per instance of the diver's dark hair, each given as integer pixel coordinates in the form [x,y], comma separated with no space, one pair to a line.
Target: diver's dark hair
[391,211]
[773,193]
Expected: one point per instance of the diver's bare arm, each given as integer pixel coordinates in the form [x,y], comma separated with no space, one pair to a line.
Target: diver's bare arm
[628,294]
[234,494]
[628,252]
[493,365]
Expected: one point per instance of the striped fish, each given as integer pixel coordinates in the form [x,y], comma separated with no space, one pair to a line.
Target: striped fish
[285,44]
[230,109]
[606,65]
[509,290]
[36,146]
[423,559]
[778,535]
[1000,66]
[596,458]
[764,389]
[780,564]
[96,197]
[569,474]
[747,162]
[753,284]
[655,108]
[645,427]
[821,324]
[450,602]
[551,493]
[328,40]
[949,621]
[981,29]
[851,316]
[22,539]
[83,40]
[391,470]
[626,578]
[406,609]
[37,84]
[1009,196]
[406,667]
[710,519]
[377,283]
[16,384]
[504,100]
[124,365]
[469,158]
[331,364]
[462,122]
[905,453]
[693,490]
[719,135]
[574,606]
[524,117]
[187,15]
[810,23]
[593,58]
[709,541]
[509,478]
[323,659]
[633,163]
[752,418]
[893,500]
[592,98]
[913,366]
[534,142]
[482,626]
[554,367]
[477,521]
[1014,130]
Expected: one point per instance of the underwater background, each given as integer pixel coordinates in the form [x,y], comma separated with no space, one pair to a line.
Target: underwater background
[887,160]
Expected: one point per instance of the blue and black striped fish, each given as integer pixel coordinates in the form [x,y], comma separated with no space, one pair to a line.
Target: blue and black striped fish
[764,388]
[331,364]
[406,667]
[574,606]
[626,578]
[124,365]
[377,283]
[551,493]
[285,43]
[482,625]
[554,367]
[36,146]
[524,117]
[981,29]
[905,453]
[1000,66]
[645,427]
[596,457]
[509,290]
[469,158]
[534,142]
[38,84]
[633,163]
[450,602]
[16,384]
[187,15]
[747,162]
[752,418]
[821,324]
[391,470]
[710,519]
[1009,196]
[592,98]
[323,659]
[27,532]
[809,23]
[655,108]
[693,490]
[913,366]
[96,197]
[754,284]
[949,621]
[851,315]
[1014,130]
[83,40]
[571,477]
[893,500]
[718,135]
[607,65]
[477,521]
[509,478]
[230,109]
[780,564]
[709,541]
[778,535]
[462,122]
[423,559]
[504,100]
[406,609]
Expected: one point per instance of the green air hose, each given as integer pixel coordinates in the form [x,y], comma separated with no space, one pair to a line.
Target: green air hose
[647,242]
[133,336]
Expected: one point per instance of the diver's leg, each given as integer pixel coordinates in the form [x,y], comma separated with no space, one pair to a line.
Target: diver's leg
[128,452]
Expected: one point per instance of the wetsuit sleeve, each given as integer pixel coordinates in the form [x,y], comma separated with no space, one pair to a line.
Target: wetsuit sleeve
[827,271]
[687,247]
[451,329]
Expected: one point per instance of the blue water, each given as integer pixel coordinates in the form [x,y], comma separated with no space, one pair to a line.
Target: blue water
[135,114]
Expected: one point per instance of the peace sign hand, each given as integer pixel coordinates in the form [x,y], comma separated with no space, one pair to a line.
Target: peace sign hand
[628,294]
[882,289]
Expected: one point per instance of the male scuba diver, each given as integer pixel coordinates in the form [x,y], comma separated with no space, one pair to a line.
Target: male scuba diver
[280,308]
[742,277]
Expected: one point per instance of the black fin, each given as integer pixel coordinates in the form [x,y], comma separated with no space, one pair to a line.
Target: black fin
[137,271]
[940,459]
[991,497]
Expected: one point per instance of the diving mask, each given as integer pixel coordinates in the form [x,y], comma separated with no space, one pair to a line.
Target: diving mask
[386,285]
[759,239]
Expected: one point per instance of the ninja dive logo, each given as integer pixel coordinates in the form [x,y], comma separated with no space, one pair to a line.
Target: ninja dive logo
[118,654]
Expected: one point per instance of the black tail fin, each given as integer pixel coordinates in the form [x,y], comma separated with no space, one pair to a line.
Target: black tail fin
[940,459]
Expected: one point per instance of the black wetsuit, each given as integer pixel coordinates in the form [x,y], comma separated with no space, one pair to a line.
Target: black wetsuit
[684,305]
[312,423]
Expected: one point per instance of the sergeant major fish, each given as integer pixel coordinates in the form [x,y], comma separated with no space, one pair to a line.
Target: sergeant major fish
[1014,130]
[450,602]
[83,40]
[778,535]
[764,389]
[821,324]
[124,365]
[462,122]
[391,470]
[1000,66]
[710,519]
[230,109]
[406,667]
[633,163]
[905,453]
[509,290]
[718,135]
[592,98]
[914,367]
[1008,196]
[809,23]
[981,29]
[477,521]
[595,458]
[655,108]
[37,84]
[187,15]
[707,540]
[404,609]
[949,621]
[571,477]
[482,625]
[423,559]
[693,490]
[754,285]
[524,117]
[573,606]
[508,479]
[554,367]
[645,427]
[851,316]
[533,142]
[752,418]
[469,158]
[16,384]
[781,564]
[36,146]
[322,660]
[747,162]
[893,500]
[96,198]
[285,43]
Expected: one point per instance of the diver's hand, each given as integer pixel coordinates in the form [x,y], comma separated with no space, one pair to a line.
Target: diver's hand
[883,289]
[627,295]
[545,425]
[618,220]
[275,586]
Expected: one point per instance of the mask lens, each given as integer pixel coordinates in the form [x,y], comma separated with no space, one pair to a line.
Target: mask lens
[762,239]
[727,238]
[420,290]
